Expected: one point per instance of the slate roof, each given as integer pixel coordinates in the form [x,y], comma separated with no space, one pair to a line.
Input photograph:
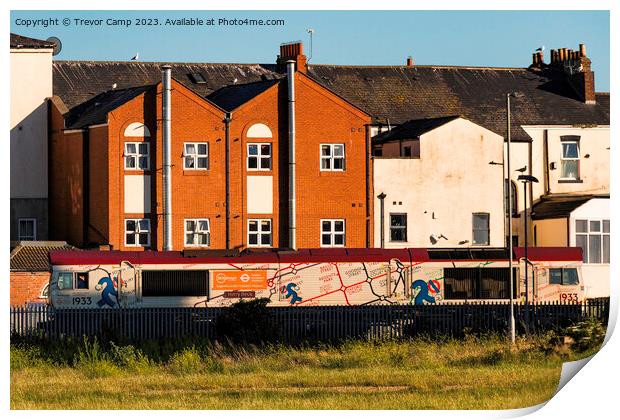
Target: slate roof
[76,82]
[402,93]
[95,110]
[395,93]
[20,41]
[33,256]
[413,129]
[231,97]
[554,207]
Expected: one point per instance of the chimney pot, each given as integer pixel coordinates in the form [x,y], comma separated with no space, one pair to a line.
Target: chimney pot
[409,61]
[582,50]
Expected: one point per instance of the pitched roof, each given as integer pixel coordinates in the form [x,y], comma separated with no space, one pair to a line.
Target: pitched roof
[394,93]
[34,255]
[95,110]
[413,129]
[231,97]
[403,93]
[76,82]
[20,41]
[555,207]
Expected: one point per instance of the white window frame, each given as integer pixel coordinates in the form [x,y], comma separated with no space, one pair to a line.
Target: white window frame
[195,155]
[259,157]
[197,231]
[601,233]
[331,157]
[402,228]
[332,233]
[137,233]
[137,155]
[487,230]
[565,159]
[34,228]
[260,232]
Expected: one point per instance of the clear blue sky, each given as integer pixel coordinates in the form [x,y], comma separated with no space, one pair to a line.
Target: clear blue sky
[476,38]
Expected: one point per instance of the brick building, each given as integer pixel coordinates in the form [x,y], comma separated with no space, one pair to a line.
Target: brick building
[229,160]
[338,111]
[31,271]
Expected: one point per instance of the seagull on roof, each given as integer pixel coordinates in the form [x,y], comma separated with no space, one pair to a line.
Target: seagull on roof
[114,86]
[522,169]
[135,57]
[235,81]
[541,48]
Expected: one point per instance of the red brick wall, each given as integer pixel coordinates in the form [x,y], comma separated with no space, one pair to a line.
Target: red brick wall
[26,287]
[195,194]
[98,230]
[322,117]
[263,109]
[65,181]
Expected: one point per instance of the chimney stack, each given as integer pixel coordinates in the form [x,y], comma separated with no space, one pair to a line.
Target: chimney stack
[409,61]
[576,66]
[292,51]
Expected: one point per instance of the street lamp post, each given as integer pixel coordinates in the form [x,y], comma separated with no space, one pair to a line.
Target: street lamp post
[526,179]
[509,205]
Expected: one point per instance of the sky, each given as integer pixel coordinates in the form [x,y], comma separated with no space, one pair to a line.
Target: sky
[468,38]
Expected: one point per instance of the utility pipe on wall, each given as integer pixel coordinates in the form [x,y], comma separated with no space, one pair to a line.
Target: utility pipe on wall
[292,215]
[166,133]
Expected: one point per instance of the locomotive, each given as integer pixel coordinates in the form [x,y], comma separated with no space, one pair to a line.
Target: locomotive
[323,276]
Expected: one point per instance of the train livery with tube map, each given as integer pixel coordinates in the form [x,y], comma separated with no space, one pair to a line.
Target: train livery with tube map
[335,276]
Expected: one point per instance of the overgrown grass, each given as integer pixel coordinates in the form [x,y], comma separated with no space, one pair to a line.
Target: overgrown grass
[474,373]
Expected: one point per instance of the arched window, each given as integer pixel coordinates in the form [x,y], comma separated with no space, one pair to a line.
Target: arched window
[513,192]
[137,129]
[260,131]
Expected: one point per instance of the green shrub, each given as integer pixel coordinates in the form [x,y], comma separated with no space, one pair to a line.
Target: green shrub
[130,358]
[186,362]
[587,335]
[25,357]
[247,322]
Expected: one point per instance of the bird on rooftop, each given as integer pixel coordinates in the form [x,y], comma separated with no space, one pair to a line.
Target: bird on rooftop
[541,48]
[114,86]
[135,57]
[522,169]
[235,81]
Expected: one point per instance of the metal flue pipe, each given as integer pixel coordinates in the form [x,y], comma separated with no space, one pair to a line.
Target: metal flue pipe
[166,140]
[292,214]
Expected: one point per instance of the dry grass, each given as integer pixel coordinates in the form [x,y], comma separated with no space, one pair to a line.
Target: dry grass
[471,374]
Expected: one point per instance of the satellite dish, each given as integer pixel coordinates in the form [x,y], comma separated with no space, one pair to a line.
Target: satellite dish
[57,44]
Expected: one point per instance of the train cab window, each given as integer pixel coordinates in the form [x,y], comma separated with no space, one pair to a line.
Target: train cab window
[81,281]
[65,281]
[563,276]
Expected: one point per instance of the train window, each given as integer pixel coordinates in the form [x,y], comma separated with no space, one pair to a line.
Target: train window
[65,281]
[563,276]
[81,281]
[175,283]
[478,283]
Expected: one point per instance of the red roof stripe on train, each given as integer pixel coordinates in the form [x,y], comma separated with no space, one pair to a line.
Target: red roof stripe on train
[301,256]
[550,253]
